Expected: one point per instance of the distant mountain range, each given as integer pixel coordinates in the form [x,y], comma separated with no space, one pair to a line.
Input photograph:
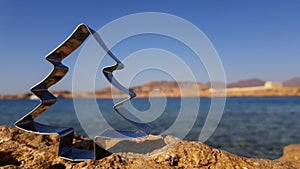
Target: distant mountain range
[292,82]
[188,89]
[157,88]
[247,83]
[175,89]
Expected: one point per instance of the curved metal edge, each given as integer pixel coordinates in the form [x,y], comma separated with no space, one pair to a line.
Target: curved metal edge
[59,70]
[118,107]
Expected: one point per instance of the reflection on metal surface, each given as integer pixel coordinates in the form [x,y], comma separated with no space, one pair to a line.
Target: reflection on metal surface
[55,57]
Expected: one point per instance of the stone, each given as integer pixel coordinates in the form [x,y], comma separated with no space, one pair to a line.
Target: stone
[291,153]
[19,149]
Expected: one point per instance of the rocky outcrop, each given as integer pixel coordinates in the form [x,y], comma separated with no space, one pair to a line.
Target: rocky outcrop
[291,153]
[20,149]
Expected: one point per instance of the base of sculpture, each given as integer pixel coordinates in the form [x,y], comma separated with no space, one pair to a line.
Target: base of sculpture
[132,142]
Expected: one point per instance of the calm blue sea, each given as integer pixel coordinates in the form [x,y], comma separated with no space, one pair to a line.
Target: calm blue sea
[251,126]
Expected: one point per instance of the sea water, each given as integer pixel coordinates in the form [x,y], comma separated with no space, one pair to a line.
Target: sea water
[256,127]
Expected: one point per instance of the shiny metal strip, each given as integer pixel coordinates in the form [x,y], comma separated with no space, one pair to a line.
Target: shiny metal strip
[108,72]
[66,151]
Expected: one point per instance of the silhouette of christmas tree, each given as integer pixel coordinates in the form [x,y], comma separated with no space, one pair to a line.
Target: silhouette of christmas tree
[47,99]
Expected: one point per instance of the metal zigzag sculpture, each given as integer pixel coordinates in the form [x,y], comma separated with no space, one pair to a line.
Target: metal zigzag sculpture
[66,151]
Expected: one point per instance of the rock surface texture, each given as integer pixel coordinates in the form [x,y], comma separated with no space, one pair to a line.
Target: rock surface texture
[20,149]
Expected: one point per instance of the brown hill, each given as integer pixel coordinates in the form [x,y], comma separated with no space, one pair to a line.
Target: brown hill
[292,82]
[157,89]
[247,83]
[215,84]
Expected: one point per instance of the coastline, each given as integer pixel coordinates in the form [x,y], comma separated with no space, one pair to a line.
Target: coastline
[176,89]
[282,92]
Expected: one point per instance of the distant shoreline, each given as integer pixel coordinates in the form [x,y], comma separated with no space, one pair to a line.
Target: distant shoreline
[156,97]
[170,89]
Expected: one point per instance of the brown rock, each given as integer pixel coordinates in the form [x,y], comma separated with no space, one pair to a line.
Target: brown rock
[291,153]
[20,149]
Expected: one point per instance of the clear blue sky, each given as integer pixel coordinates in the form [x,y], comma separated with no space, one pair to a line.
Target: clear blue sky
[253,38]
